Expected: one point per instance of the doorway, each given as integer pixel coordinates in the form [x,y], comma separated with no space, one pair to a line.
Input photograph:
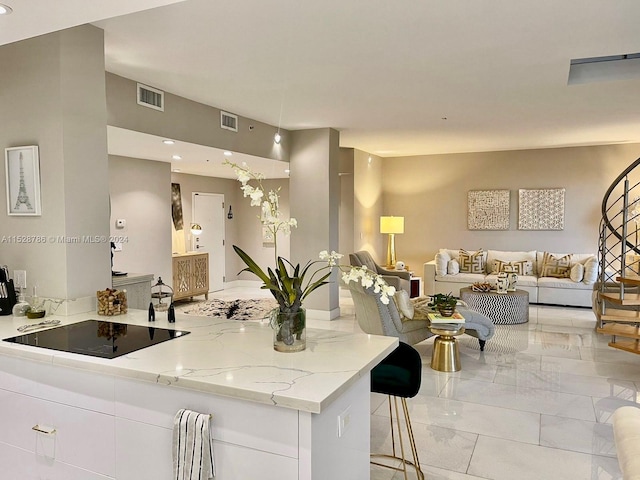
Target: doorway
[208,211]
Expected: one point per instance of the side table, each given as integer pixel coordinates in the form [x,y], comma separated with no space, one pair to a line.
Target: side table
[446,356]
[502,308]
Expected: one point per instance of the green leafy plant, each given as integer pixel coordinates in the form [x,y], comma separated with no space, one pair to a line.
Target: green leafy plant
[443,300]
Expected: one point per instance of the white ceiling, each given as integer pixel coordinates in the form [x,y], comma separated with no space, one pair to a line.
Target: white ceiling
[396,78]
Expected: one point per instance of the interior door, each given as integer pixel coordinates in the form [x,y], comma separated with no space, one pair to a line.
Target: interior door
[208,211]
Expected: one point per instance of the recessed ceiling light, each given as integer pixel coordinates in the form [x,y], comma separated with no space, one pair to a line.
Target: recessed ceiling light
[168,142]
[177,170]
[176,157]
[227,153]
[287,171]
[5,9]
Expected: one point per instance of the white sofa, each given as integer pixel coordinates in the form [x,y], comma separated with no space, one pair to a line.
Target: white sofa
[440,277]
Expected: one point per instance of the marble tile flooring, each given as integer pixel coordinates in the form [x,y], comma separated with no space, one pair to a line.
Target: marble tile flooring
[536,405]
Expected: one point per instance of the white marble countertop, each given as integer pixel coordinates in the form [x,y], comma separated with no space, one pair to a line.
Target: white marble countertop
[230,358]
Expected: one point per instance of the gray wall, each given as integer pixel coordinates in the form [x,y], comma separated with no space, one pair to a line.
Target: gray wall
[431,192]
[315,193]
[190,121]
[140,193]
[53,96]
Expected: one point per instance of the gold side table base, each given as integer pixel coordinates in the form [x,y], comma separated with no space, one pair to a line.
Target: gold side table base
[446,356]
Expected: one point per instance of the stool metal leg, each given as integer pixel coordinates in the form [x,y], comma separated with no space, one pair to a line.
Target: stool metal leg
[412,443]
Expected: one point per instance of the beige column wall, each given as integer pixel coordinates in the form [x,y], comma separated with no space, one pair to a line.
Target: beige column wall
[53,96]
[314,197]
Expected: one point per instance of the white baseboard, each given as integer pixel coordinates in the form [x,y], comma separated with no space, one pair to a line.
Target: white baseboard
[323,314]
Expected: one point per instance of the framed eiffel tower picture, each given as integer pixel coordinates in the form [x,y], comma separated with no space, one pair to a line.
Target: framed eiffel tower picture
[22,169]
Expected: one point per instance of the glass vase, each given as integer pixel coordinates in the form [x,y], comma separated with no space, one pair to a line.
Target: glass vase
[289,331]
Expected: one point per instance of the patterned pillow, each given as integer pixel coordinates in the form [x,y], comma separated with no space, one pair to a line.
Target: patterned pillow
[404,304]
[471,262]
[521,267]
[556,267]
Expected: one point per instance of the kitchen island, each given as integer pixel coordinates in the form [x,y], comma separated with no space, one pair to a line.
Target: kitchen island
[275,415]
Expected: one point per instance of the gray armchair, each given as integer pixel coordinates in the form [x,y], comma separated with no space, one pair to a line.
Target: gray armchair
[376,318]
[399,280]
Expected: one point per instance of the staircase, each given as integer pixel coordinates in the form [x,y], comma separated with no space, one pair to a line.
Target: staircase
[617,298]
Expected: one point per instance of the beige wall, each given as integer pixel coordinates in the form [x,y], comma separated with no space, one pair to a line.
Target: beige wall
[140,192]
[368,205]
[52,96]
[431,192]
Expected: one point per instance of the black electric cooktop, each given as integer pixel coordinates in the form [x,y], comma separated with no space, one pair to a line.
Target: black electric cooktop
[98,338]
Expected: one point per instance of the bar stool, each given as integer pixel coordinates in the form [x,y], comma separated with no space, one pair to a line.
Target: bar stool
[399,376]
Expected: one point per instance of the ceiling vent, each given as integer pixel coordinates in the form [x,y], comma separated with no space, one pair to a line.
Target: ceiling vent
[150,97]
[228,121]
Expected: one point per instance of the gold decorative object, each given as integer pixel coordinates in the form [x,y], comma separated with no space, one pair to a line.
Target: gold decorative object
[482,287]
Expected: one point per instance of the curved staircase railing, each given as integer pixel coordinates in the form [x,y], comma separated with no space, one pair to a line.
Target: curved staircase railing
[617,304]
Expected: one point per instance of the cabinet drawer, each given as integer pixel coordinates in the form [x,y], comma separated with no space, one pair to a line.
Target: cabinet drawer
[19,464]
[59,384]
[240,422]
[83,438]
[154,460]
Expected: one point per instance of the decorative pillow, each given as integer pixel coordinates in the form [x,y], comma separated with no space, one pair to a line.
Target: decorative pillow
[520,267]
[591,269]
[556,267]
[441,263]
[453,267]
[577,272]
[404,304]
[471,262]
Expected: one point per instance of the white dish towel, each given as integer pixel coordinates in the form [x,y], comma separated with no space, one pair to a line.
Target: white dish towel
[192,446]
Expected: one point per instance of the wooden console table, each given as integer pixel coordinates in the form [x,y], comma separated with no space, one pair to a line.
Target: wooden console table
[190,275]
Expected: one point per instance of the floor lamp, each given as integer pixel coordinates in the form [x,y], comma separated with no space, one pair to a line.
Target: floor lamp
[391,226]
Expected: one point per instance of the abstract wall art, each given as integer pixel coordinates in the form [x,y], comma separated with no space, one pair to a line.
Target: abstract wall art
[541,209]
[488,210]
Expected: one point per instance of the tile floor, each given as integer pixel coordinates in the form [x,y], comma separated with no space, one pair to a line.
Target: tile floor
[536,405]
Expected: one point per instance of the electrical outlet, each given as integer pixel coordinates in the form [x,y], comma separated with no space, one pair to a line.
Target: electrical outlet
[20,278]
[344,419]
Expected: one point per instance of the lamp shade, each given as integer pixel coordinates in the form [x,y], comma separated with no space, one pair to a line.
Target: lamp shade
[391,224]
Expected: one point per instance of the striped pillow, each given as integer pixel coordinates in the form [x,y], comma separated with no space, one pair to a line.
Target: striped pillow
[556,267]
[471,262]
[521,267]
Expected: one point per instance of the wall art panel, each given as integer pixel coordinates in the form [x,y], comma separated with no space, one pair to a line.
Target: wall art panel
[488,210]
[541,209]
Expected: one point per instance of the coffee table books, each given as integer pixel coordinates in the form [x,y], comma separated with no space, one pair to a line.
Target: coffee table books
[437,318]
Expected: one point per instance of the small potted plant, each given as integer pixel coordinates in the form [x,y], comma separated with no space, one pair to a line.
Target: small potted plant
[444,303]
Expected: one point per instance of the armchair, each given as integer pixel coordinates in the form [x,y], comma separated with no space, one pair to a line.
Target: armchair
[376,318]
[399,280]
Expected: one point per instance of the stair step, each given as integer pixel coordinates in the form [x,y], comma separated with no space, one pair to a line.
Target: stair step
[627,331]
[629,298]
[629,280]
[618,315]
[629,346]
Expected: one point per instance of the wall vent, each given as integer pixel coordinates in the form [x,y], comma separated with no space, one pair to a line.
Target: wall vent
[150,97]
[228,121]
